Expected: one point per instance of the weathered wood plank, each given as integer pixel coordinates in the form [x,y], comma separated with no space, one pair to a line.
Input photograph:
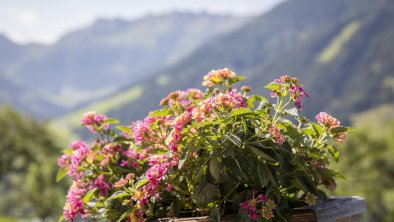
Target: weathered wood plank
[336,209]
[339,209]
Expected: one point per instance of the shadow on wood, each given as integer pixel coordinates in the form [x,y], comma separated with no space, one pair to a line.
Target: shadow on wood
[336,209]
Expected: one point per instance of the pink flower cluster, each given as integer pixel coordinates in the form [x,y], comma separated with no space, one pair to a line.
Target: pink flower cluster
[327,120]
[122,182]
[276,135]
[177,126]
[74,203]
[201,111]
[101,185]
[182,98]
[330,122]
[252,206]
[159,167]
[142,132]
[293,86]
[73,160]
[93,121]
[206,108]
[213,76]
[134,157]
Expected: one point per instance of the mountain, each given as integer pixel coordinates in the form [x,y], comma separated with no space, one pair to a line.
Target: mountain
[12,89]
[341,50]
[93,62]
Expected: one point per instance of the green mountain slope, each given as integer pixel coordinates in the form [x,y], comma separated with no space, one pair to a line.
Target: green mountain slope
[93,62]
[340,50]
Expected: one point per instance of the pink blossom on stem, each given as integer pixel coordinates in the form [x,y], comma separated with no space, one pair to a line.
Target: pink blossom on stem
[63,161]
[101,185]
[330,122]
[74,203]
[220,74]
[276,135]
[92,121]
[81,150]
[327,120]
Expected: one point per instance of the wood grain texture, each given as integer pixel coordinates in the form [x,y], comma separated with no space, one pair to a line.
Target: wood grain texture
[336,209]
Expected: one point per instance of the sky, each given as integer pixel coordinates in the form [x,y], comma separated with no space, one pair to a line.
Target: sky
[45,21]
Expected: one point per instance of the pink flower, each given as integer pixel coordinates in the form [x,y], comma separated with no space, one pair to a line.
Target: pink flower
[175,135]
[330,122]
[81,150]
[102,186]
[244,205]
[63,161]
[276,135]
[93,121]
[326,120]
[220,74]
[123,163]
[182,98]
[156,172]
[295,89]
[142,133]
[74,203]
[121,182]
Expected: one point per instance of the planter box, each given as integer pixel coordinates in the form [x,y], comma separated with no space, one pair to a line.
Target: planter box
[336,209]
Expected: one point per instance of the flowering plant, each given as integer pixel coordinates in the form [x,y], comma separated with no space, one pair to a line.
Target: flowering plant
[213,153]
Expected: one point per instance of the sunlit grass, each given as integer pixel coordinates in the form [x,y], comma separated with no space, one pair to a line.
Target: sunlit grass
[335,47]
[374,118]
[8,219]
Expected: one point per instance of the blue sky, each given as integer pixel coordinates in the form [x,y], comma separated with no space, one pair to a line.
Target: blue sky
[44,21]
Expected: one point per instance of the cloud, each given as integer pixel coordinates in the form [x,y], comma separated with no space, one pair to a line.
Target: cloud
[26,17]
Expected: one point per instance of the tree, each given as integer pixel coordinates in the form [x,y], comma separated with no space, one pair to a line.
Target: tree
[28,168]
[366,161]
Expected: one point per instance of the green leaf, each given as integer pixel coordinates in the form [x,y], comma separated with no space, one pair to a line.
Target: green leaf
[123,217]
[117,195]
[262,174]
[205,194]
[240,111]
[204,124]
[308,131]
[61,173]
[261,154]
[89,195]
[141,183]
[110,121]
[339,129]
[300,184]
[334,152]
[68,151]
[273,86]
[124,129]
[254,98]
[200,177]
[214,168]
[183,159]
[154,125]
[235,169]
[293,111]
[216,80]
[236,79]
[318,129]
[160,112]
[61,218]
[234,139]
